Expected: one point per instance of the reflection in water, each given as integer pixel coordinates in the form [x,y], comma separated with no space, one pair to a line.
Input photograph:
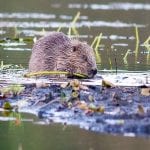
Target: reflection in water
[32,136]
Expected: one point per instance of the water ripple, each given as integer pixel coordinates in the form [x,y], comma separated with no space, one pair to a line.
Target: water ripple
[16,49]
[44,16]
[112,6]
[27,15]
[12,44]
[44,24]
[114,24]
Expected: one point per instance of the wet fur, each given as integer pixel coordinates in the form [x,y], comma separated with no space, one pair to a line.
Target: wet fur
[56,51]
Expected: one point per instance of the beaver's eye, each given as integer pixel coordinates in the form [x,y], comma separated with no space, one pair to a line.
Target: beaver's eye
[74,48]
[84,58]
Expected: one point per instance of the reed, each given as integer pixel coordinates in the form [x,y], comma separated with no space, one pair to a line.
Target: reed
[73,25]
[69,31]
[2,65]
[116,65]
[125,57]
[16,32]
[60,27]
[96,42]
[147,43]
[137,43]
[110,63]
[148,58]
[72,28]
[76,18]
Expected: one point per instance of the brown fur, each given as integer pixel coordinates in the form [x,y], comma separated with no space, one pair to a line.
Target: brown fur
[56,51]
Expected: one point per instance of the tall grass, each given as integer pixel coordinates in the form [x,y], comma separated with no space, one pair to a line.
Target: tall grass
[147,45]
[72,29]
[137,43]
[125,57]
[95,45]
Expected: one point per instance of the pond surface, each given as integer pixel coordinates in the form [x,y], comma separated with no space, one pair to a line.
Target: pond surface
[117,21]
[32,135]
[121,22]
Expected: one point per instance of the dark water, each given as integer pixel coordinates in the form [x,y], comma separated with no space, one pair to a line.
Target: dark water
[116,20]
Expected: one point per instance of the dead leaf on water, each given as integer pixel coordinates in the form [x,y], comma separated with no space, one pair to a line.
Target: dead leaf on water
[75,83]
[94,108]
[107,84]
[42,85]
[82,105]
[91,98]
[64,85]
[140,110]
[145,91]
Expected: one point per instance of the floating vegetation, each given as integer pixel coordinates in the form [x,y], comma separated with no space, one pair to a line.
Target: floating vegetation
[19,39]
[11,90]
[107,84]
[8,67]
[7,106]
[42,73]
[145,91]
[74,103]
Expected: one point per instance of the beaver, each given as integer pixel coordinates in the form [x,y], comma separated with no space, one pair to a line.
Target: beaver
[57,52]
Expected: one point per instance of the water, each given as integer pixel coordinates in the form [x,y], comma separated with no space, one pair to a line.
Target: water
[32,135]
[116,20]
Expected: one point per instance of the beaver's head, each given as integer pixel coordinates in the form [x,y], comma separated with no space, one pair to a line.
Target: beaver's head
[82,59]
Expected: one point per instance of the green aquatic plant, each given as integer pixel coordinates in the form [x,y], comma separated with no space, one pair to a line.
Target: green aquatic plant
[125,57]
[17,39]
[137,42]
[5,67]
[96,42]
[9,68]
[110,63]
[147,43]
[16,32]
[72,29]
[7,106]
[12,90]
[41,73]
[73,25]
[59,28]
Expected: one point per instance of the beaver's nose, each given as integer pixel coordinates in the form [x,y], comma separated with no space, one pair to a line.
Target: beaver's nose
[94,71]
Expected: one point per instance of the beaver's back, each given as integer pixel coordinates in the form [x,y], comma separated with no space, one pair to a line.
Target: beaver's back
[46,49]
